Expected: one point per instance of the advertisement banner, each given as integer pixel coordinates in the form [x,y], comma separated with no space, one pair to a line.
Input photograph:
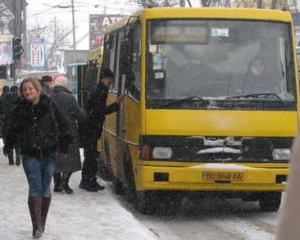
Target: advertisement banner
[98,24]
[37,52]
[5,50]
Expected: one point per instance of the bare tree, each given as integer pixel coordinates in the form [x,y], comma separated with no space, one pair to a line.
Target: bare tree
[55,35]
[268,4]
[157,3]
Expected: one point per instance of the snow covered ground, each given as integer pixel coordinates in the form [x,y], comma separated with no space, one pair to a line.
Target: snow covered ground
[81,216]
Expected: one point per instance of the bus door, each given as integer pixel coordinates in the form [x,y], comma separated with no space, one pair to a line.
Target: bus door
[120,114]
[130,76]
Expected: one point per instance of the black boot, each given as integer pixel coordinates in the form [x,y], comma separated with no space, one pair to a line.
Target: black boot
[11,158]
[35,209]
[18,157]
[65,182]
[57,182]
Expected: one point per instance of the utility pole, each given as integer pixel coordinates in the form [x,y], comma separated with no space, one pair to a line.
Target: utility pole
[18,5]
[25,45]
[17,19]
[74,36]
[55,37]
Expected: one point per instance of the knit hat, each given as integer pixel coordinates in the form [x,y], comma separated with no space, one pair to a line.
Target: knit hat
[61,81]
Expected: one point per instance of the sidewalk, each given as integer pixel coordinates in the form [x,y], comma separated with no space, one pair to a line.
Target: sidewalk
[81,216]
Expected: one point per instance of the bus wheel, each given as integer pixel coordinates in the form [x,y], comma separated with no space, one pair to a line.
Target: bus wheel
[270,201]
[145,202]
[103,169]
[129,185]
[117,186]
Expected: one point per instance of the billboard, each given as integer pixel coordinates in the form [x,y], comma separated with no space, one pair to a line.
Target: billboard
[5,50]
[37,52]
[98,24]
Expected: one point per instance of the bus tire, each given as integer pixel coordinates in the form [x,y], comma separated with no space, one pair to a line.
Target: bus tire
[117,186]
[129,186]
[145,202]
[103,169]
[270,201]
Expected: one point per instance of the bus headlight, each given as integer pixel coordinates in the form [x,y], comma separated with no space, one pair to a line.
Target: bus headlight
[281,154]
[162,152]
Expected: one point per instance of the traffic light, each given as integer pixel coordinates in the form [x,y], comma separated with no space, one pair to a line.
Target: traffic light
[3,72]
[17,48]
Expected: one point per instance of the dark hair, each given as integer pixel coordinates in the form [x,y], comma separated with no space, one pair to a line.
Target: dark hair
[5,89]
[46,78]
[14,89]
[106,72]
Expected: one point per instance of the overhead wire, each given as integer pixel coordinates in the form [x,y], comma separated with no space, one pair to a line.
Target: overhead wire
[89,7]
[79,6]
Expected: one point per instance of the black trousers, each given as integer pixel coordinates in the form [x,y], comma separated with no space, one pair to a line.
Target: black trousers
[90,165]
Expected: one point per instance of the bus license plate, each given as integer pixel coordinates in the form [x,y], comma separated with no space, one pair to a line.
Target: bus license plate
[223,176]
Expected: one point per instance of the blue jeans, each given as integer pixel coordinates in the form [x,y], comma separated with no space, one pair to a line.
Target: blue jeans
[39,172]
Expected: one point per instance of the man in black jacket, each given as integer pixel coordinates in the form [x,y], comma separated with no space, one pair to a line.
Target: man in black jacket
[91,129]
[9,103]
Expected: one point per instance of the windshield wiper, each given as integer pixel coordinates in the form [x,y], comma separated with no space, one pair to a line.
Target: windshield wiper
[269,96]
[187,99]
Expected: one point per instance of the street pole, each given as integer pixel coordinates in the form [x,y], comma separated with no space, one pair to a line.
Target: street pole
[25,45]
[17,33]
[74,36]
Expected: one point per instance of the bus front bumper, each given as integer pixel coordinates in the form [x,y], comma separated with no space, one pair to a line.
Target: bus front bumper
[210,177]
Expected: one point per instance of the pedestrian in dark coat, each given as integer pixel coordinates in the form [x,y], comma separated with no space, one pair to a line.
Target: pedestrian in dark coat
[9,104]
[91,129]
[42,132]
[74,114]
[5,90]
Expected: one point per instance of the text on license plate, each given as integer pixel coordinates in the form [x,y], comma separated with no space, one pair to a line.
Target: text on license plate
[222,176]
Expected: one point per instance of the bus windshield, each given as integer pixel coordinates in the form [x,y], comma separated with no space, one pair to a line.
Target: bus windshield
[218,59]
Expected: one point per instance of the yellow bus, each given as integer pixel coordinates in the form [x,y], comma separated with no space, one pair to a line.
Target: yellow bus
[194,119]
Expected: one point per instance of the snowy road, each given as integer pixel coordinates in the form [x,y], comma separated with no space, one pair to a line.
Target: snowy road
[211,220]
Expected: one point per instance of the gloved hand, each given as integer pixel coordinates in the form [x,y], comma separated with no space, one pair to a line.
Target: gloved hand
[6,150]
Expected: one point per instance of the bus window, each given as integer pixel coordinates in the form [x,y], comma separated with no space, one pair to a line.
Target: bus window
[75,73]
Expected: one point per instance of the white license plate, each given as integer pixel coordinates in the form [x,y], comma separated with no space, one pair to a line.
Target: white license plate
[223,176]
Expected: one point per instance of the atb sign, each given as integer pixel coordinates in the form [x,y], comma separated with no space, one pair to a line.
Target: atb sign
[37,52]
[98,24]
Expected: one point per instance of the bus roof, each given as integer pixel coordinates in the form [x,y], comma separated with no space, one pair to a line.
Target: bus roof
[215,13]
